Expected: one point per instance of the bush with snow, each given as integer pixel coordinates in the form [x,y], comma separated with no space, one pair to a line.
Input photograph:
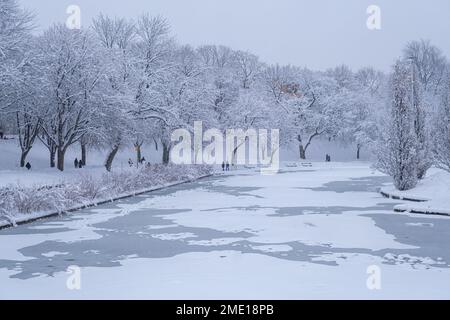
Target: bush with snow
[16,200]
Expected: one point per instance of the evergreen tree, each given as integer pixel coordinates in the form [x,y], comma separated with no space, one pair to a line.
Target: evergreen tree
[442,130]
[397,155]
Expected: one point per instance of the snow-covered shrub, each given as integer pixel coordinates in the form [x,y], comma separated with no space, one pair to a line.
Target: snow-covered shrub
[16,200]
[86,189]
[154,175]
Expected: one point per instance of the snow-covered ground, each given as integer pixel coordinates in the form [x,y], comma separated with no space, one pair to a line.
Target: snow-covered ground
[11,173]
[319,232]
[433,192]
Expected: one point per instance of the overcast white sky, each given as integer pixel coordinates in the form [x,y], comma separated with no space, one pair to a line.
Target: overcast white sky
[314,33]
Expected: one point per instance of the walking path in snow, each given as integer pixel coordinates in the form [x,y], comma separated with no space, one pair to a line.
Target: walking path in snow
[304,233]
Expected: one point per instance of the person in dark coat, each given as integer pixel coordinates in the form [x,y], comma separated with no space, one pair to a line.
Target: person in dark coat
[80,164]
[28,166]
[75,163]
[228,166]
[223,166]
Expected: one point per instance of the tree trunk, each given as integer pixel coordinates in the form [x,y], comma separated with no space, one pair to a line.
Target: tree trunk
[234,158]
[52,158]
[83,154]
[110,158]
[23,158]
[301,148]
[166,154]
[138,154]
[358,152]
[61,154]
[302,152]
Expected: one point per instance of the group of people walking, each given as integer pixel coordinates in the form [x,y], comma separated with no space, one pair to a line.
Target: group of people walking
[78,164]
[225,166]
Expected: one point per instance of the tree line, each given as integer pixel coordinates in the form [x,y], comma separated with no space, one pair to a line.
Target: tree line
[122,82]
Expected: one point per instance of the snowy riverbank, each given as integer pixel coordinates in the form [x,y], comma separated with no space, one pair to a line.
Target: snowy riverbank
[431,196]
[19,204]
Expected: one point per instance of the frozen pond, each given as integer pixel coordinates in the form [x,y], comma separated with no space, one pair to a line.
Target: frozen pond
[304,233]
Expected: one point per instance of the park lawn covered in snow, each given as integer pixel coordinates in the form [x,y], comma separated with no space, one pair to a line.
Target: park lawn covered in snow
[432,194]
[42,174]
[25,178]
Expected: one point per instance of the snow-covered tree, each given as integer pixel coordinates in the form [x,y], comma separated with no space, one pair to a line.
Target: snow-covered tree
[371,81]
[358,126]
[15,27]
[397,150]
[318,111]
[27,107]
[15,37]
[185,93]
[280,82]
[248,68]
[152,49]
[18,86]
[116,36]
[70,72]
[423,152]
[441,133]
[219,57]
[343,76]
[429,63]
[428,66]
[363,109]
